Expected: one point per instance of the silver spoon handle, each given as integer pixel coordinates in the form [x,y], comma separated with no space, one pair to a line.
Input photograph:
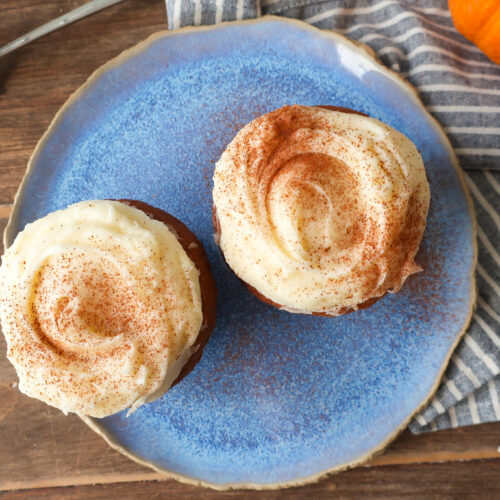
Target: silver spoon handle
[68,18]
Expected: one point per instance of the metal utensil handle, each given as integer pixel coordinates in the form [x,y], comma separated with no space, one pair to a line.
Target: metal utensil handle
[68,18]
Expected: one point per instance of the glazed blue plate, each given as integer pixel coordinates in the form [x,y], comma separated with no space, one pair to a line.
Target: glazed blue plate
[278,398]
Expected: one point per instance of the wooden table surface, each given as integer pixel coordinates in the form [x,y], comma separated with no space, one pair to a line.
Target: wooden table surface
[44,454]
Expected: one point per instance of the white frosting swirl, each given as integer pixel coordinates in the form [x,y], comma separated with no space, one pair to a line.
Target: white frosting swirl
[100,305]
[320,210]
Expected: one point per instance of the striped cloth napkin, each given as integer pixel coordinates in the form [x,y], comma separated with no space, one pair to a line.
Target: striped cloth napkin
[461,88]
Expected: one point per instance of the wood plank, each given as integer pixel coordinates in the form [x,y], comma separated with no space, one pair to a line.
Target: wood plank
[5,211]
[471,480]
[37,79]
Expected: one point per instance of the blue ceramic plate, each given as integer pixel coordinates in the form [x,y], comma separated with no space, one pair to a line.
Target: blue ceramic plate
[278,399]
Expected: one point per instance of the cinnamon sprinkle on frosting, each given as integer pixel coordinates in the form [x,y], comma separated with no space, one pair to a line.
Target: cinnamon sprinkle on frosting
[320,210]
[99,302]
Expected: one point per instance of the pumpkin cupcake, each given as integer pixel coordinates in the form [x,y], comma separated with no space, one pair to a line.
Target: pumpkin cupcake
[320,210]
[105,305]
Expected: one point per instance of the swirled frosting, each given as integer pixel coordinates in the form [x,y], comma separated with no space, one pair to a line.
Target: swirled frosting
[99,306]
[320,210]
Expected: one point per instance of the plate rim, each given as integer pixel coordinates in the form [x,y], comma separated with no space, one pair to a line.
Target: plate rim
[366,53]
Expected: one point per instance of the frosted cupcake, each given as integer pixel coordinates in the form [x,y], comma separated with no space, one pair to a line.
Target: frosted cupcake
[105,305]
[320,210]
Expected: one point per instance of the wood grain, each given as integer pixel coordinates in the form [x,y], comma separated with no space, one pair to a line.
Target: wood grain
[39,446]
[472,480]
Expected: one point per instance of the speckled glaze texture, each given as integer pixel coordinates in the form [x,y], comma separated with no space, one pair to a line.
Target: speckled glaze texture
[277,399]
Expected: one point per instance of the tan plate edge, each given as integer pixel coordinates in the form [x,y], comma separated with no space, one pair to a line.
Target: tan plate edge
[366,53]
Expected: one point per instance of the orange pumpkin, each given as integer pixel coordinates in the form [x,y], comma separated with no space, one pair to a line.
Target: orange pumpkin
[479,22]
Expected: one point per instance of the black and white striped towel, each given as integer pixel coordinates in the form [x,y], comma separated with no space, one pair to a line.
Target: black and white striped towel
[461,88]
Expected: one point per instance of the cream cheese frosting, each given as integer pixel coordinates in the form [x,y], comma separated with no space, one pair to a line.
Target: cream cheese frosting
[100,306]
[320,210]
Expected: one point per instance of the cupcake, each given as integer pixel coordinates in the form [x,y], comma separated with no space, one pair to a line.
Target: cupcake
[320,210]
[105,305]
